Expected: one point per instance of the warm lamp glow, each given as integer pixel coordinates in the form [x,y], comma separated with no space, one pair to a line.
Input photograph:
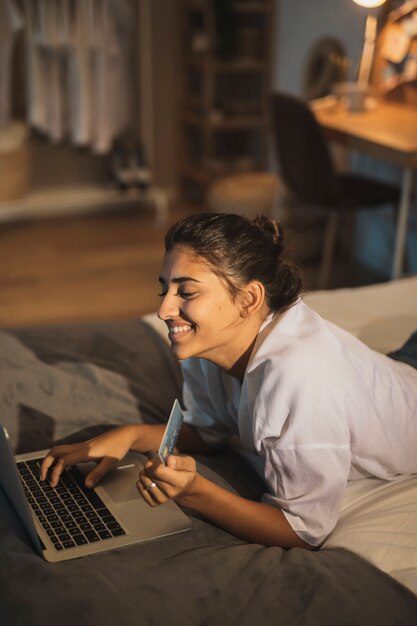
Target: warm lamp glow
[370,4]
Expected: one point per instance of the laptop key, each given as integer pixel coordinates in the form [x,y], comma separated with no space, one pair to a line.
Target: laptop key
[79,497]
[63,537]
[48,510]
[70,524]
[91,536]
[118,532]
[94,499]
[103,511]
[68,544]
[86,507]
[114,526]
[104,534]
[80,540]
[56,524]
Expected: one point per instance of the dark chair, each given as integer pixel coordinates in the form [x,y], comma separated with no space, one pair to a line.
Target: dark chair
[309,175]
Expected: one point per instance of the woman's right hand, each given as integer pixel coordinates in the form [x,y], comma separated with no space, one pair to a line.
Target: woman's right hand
[107,449]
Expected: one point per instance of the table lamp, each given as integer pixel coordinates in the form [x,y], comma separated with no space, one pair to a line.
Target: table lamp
[369,41]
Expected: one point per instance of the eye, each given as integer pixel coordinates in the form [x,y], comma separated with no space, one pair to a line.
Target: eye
[187,295]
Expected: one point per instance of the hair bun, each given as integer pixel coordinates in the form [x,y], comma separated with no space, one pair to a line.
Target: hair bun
[271,229]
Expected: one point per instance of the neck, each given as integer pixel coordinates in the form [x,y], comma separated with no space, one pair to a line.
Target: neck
[238,369]
[238,365]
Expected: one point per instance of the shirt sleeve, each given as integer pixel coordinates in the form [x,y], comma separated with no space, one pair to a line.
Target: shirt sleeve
[307,483]
[205,404]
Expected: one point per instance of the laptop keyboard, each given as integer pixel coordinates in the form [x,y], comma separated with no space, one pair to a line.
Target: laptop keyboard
[70,514]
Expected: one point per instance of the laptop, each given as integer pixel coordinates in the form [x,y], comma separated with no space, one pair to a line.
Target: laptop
[70,521]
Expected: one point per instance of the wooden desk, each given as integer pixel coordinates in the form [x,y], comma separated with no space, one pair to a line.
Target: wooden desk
[388,132]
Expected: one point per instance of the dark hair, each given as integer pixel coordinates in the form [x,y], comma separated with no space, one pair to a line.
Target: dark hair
[240,250]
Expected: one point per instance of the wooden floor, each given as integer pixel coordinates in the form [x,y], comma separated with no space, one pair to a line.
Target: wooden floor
[90,267]
[76,268]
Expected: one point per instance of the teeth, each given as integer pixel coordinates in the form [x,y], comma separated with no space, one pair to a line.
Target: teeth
[178,329]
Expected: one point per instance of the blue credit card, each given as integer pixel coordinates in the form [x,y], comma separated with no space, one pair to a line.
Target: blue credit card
[171,433]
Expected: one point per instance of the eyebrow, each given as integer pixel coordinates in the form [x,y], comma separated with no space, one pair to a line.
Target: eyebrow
[180,279]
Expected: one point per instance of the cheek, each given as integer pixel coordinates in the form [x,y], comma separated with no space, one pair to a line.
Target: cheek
[225,312]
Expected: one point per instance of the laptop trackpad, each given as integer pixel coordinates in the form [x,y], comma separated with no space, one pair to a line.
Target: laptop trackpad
[120,484]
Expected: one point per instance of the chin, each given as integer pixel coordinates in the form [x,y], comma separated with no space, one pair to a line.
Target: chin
[180,352]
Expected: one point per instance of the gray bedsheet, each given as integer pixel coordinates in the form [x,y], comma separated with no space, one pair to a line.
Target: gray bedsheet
[69,382]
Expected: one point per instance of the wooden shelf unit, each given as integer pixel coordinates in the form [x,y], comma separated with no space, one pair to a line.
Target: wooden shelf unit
[226,69]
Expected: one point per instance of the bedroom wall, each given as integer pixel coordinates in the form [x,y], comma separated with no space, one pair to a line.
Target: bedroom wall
[299,24]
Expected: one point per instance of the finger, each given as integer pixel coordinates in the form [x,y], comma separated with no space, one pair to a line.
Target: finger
[147,483]
[155,489]
[166,479]
[98,472]
[151,491]
[50,459]
[56,472]
[45,465]
[181,463]
[165,489]
[67,460]
[145,494]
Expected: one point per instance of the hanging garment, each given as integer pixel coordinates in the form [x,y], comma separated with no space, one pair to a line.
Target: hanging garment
[78,70]
[46,51]
[111,89]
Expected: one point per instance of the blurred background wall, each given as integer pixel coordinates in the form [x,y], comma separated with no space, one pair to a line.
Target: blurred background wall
[299,25]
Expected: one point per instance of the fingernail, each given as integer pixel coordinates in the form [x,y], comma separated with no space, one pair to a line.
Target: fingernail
[173,461]
[89,483]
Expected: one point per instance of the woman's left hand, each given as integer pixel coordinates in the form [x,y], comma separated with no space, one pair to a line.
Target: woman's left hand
[159,483]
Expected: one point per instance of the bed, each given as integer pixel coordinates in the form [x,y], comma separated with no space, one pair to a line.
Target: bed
[69,382]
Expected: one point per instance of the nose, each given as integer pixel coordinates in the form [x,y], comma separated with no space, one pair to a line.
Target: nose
[168,307]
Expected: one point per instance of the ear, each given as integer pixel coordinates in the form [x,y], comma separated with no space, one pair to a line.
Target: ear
[252,298]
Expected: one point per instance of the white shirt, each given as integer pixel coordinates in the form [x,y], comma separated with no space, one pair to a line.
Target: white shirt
[318,407]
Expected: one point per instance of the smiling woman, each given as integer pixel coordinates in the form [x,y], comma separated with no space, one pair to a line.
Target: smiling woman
[310,405]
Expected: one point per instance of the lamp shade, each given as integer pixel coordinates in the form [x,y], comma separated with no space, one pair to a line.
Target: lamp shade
[370,4]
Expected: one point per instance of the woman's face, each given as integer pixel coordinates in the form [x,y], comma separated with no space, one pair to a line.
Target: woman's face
[202,319]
